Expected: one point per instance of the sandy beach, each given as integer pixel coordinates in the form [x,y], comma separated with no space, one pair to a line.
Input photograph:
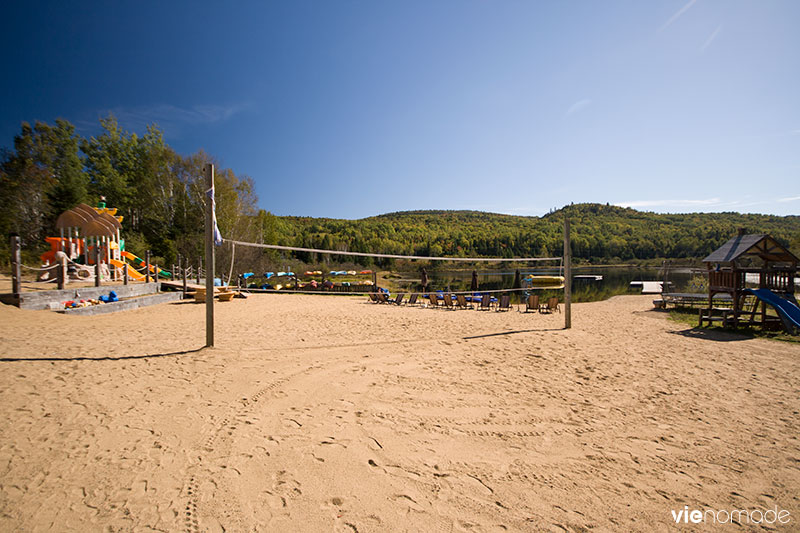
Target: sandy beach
[317,413]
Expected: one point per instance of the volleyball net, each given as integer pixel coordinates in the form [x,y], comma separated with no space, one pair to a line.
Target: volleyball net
[376,255]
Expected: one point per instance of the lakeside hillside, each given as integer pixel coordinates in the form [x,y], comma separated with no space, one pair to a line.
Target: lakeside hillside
[600,233]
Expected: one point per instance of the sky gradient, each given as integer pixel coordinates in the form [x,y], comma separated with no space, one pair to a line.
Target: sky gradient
[351,109]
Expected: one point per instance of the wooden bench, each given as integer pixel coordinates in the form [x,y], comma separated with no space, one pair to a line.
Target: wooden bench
[715,314]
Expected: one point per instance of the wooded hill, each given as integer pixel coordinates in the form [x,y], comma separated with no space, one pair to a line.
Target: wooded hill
[600,233]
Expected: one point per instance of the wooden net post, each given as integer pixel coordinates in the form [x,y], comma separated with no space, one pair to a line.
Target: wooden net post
[567,277]
[209,175]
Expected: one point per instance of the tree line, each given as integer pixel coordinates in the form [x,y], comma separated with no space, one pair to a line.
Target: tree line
[599,233]
[51,168]
[160,193]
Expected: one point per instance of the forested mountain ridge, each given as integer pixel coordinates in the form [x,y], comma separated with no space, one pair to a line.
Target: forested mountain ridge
[599,233]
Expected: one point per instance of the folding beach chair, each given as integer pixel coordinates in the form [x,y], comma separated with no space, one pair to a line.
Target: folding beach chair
[505,303]
[486,302]
[461,302]
[448,301]
[433,299]
[550,306]
[413,299]
[532,302]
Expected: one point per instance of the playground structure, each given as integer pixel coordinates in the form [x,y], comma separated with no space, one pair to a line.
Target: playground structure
[92,234]
[756,259]
[87,234]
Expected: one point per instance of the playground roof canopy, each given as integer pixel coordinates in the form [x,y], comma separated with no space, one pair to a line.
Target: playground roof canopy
[758,245]
[98,228]
[71,219]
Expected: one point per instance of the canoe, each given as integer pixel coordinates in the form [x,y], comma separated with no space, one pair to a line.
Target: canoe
[545,280]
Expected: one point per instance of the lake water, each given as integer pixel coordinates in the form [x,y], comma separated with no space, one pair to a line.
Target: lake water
[616,280]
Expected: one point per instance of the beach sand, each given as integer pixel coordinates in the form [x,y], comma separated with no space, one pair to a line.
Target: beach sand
[318,413]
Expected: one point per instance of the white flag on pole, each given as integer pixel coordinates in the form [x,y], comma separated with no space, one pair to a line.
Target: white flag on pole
[217,234]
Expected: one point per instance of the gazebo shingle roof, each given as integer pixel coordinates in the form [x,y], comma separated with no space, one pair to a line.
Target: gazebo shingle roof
[759,244]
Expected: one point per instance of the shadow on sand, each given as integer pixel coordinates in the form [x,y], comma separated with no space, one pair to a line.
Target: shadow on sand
[712,335]
[104,358]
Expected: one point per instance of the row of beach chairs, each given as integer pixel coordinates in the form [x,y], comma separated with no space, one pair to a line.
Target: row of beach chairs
[447,301]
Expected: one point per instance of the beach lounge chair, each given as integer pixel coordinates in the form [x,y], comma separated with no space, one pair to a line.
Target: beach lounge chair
[550,306]
[382,298]
[505,303]
[532,302]
[433,299]
[448,301]
[461,302]
[373,297]
[486,302]
[413,299]
[399,299]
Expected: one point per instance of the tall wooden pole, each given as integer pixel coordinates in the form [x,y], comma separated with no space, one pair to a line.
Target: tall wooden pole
[209,171]
[96,261]
[61,272]
[16,262]
[147,266]
[184,269]
[567,277]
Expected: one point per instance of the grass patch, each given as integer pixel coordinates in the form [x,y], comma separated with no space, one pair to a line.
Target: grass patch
[690,317]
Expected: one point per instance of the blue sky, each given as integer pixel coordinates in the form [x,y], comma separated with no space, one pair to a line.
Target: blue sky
[350,109]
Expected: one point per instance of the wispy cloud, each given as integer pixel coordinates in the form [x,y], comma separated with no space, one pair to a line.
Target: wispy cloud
[577,106]
[711,39]
[173,119]
[677,14]
[709,202]
[716,204]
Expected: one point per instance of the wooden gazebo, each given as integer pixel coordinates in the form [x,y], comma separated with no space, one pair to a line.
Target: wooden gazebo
[768,264]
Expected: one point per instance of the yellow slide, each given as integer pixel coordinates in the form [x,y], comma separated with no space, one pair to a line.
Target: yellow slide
[132,273]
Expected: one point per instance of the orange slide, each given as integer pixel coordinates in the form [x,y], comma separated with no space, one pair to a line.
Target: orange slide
[132,273]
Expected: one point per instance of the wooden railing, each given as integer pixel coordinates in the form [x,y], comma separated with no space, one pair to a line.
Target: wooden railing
[778,281]
[725,279]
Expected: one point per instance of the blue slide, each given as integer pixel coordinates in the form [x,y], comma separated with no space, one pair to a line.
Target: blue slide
[787,310]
